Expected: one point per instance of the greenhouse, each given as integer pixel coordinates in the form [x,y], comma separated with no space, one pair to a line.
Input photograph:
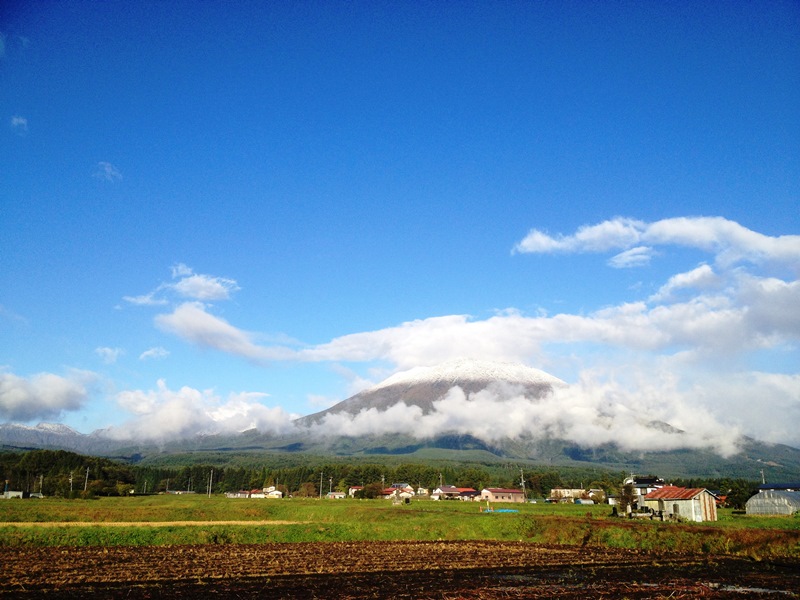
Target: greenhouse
[773,502]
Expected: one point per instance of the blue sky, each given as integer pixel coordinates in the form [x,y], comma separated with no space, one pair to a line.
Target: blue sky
[248,211]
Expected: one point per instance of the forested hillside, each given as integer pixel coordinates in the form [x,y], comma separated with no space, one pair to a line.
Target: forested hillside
[66,474]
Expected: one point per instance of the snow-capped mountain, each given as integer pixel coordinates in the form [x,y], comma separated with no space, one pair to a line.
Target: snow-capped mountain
[43,435]
[422,386]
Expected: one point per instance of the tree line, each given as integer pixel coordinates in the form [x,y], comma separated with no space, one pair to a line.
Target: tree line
[66,474]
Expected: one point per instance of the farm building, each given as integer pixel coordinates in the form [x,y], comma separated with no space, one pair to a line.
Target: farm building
[502,495]
[771,499]
[691,504]
[445,492]
[468,494]
[569,495]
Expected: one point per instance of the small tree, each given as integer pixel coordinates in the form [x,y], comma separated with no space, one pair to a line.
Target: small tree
[307,490]
[627,497]
[370,491]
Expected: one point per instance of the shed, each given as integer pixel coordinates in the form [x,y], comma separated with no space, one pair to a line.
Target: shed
[691,504]
[773,502]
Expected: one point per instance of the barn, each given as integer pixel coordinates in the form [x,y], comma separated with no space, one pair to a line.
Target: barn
[690,504]
[783,499]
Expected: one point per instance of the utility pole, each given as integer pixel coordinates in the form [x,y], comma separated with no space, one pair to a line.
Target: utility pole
[210,482]
[330,489]
[522,482]
[70,481]
[86,483]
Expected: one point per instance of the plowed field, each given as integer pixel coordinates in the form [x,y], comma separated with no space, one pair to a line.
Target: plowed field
[419,570]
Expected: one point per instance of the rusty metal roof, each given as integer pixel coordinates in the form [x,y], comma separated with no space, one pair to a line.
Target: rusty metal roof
[671,492]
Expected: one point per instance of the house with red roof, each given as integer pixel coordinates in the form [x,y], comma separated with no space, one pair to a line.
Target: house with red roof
[688,504]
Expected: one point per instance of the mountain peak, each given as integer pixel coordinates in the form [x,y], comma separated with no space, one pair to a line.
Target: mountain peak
[422,386]
[472,370]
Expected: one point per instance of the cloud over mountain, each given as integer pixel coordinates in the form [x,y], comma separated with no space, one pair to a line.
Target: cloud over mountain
[42,396]
[594,412]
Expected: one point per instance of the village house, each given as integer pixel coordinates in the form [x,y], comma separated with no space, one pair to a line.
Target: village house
[445,492]
[643,486]
[566,495]
[690,504]
[403,487]
[354,489]
[398,493]
[335,495]
[268,492]
[502,495]
[468,494]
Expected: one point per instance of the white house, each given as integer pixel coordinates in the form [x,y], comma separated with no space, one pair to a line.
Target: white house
[560,494]
[502,495]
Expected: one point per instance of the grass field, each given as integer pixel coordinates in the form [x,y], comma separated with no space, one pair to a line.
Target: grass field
[195,519]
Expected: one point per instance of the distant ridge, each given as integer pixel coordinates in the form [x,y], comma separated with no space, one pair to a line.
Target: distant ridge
[422,386]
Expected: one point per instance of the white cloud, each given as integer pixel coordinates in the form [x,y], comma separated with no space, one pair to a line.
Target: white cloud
[154,353]
[181,270]
[635,257]
[203,287]
[164,414]
[109,355]
[19,124]
[609,235]
[189,285]
[191,322]
[702,278]
[41,396]
[591,413]
[730,242]
[107,172]
[146,300]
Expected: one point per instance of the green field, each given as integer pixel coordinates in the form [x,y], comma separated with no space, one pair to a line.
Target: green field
[195,519]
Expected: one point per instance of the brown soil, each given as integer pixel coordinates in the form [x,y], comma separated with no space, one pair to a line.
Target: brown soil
[141,523]
[399,570]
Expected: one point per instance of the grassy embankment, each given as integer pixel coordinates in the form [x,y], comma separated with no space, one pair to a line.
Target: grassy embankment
[312,520]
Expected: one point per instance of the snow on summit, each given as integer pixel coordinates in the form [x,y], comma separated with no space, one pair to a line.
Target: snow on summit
[472,370]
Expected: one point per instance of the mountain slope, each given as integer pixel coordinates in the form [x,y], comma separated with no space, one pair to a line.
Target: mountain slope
[422,386]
